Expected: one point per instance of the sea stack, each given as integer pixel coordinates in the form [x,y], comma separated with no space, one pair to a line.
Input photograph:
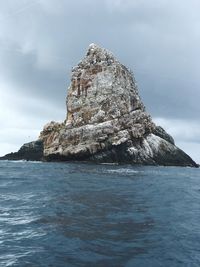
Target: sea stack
[106,120]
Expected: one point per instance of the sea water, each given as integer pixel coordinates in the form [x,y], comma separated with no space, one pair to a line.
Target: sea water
[79,214]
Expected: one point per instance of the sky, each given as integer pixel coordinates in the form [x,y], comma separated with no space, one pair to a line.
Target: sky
[41,40]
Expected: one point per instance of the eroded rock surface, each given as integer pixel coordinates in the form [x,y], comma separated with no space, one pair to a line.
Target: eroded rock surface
[106,119]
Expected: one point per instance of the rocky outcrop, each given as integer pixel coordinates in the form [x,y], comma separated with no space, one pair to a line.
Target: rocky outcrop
[106,119]
[29,151]
[159,131]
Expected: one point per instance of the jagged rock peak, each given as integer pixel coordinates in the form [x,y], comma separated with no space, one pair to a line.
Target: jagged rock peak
[96,55]
[95,49]
[101,89]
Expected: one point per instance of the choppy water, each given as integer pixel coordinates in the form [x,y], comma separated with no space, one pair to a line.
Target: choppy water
[57,214]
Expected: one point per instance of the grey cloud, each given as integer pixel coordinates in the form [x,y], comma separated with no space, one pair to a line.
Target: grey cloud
[181,130]
[25,76]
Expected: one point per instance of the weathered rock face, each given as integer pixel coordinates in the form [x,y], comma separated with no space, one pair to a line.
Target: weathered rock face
[106,119]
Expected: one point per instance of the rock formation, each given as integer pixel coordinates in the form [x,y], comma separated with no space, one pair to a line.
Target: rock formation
[106,119]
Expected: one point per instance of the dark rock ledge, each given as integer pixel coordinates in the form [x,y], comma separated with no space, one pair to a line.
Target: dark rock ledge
[29,151]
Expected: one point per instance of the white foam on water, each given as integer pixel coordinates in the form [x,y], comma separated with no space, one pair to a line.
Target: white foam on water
[111,163]
[13,161]
[23,161]
[123,171]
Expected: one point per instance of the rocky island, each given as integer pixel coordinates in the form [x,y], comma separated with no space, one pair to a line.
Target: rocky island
[106,121]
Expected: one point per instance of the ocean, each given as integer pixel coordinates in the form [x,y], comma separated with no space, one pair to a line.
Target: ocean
[80,214]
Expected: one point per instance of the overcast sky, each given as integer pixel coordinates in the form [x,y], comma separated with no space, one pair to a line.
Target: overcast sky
[41,40]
